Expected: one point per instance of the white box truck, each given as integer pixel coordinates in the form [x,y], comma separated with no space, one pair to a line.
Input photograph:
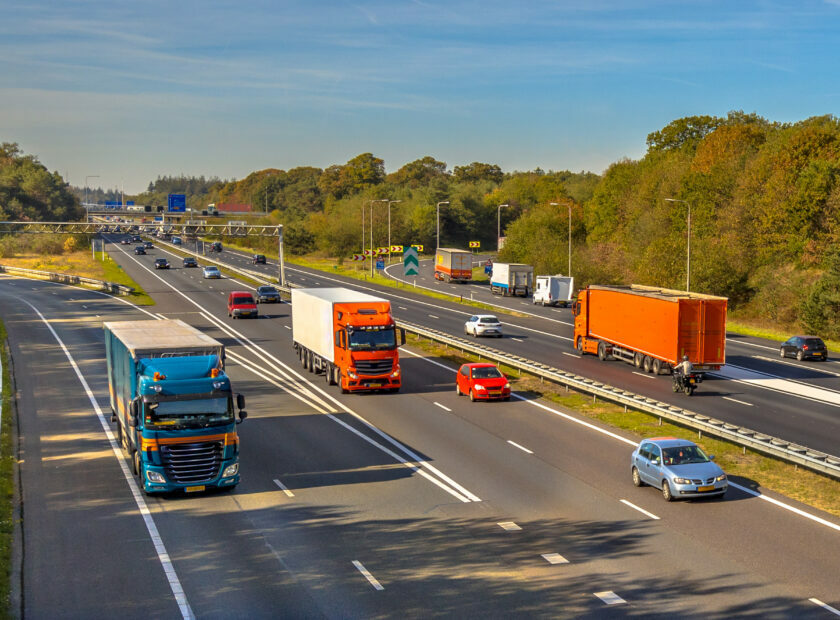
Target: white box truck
[554,290]
[512,279]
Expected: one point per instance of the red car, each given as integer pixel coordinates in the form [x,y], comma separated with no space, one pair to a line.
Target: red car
[482,382]
[241,303]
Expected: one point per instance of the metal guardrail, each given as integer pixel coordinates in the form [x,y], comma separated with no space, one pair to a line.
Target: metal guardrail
[66,278]
[784,450]
[778,448]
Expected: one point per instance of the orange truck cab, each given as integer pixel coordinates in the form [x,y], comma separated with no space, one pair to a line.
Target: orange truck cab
[347,336]
[650,327]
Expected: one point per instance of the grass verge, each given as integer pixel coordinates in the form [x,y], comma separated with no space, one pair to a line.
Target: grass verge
[7,468]
[794,482]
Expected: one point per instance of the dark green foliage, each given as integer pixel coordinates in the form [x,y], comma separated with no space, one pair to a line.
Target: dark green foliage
[820,310]
[477,171]
[28,191]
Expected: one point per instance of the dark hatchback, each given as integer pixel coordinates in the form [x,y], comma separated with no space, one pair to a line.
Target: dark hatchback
[139,250]
[268,295]
[189,261]
[258,259]
[804,347]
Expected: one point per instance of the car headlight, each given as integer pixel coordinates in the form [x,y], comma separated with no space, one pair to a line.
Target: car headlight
[721,478]
[396,373]
[478,386]
[507,386]
[352,374]
[155,477]
[682,480]
[230,470]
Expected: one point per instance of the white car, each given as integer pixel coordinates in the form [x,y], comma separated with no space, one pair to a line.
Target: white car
[483,325]
[211,271]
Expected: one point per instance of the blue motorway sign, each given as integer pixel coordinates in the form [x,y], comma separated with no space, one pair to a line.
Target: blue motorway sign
[380,264]
[158,218]
[177,203]
[129,203]
[113,204]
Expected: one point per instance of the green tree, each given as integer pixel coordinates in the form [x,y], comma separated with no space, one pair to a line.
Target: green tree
[477,171]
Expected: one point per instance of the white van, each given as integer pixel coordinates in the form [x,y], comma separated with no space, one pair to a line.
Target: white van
[554,290]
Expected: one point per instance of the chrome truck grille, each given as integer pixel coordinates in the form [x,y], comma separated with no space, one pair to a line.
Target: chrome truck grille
[189,463]
[374,367]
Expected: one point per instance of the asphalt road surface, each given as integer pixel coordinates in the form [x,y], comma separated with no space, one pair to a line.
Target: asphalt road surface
[384,505]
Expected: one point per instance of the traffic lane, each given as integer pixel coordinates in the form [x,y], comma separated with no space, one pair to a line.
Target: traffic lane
[575,477]
[77,507]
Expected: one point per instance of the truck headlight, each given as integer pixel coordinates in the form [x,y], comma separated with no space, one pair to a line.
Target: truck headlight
[231,470]
[155,477]
[352,374]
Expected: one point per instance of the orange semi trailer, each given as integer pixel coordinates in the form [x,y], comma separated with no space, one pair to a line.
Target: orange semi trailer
[651,327]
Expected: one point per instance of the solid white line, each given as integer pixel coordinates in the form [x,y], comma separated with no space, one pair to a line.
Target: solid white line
[735,400]
[154,534]
[432,316]
[402,307]
[442,407]
[570,354]
[516,445]
[373,581]
[642,510]
[554,558]
[825,606]
[641,374]
[610,597]
[509,526]
[284,487]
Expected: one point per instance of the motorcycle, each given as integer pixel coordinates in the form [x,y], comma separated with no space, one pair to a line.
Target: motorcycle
[686,383]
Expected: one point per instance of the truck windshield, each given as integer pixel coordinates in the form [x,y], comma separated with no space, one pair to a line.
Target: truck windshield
[369,340]
[198,413]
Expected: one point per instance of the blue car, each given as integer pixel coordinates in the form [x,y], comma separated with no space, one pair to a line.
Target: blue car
[211,271]
[678,467]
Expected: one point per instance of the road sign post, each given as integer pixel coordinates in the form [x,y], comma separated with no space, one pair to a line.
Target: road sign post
[411,264]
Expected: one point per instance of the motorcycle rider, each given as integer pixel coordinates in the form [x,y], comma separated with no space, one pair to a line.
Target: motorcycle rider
[684,367]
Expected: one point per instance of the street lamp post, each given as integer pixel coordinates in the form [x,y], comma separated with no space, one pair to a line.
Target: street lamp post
[390,202]
[499,225]
[687,244]
[557,204]
[90,176]
[444,202]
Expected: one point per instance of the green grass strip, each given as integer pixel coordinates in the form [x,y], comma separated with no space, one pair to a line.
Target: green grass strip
[7,485]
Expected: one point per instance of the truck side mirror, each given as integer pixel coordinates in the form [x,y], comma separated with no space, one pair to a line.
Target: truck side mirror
[240,401]
[402,336]
[132,421]
[242,415]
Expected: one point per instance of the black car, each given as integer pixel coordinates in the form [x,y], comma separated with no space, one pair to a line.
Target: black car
[259,259]
[268,295]
[804,347]
[137,239]
[125,241]
[139,250]
[189,261]
[216,246]
[148,245]
[161,263]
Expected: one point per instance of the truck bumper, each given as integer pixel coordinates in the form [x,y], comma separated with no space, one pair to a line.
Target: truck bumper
[220,482]
[367,384]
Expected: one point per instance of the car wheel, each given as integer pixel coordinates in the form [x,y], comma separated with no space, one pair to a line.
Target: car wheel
[475,333]
[457,389]
[637,478]
[666,491]
[799,356]
[782,352]
[472,395]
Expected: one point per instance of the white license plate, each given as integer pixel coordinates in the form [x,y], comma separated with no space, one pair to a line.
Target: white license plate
[194,489]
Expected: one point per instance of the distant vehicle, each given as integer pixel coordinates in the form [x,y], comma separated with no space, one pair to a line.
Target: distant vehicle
[161,263]
[148,245]
[140,249]
[268,295]
[651,327]
[176,240]
[259,259]
[453,265]
[678,467]
[216,246]
[125,241]
[483,325]
[137,239]
[482,381]
[349,336]
[804,347]
[554,290]
[241,304]
[211,271]
[189,261]
[509,279]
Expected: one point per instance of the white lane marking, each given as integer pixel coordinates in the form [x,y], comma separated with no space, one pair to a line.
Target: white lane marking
[735,400]
[774,383]
[610,597]
[432,316]
[752,344]
[371,579]
[825,606]
[570,354]
[284,487]
[287,327]
[402,307]
[84,306]
[641,374]
[161,315]
[523,448]
[795,365]
[443,407]
[554,558]
[154,534]
[509,526]
[642,510]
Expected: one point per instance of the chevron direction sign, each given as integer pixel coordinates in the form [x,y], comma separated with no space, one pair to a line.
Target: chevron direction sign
[369,252]
[381,251]
[396,248]
[475,244]
[417,247]
[411,264]
[358,257]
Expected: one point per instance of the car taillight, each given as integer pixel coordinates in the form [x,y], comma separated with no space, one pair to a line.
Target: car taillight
[805,347]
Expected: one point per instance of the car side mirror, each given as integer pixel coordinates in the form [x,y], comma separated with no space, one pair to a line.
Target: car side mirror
[240,401]
[711,457]
[402,336]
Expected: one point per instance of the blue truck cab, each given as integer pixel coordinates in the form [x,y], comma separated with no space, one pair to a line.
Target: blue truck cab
[173,405]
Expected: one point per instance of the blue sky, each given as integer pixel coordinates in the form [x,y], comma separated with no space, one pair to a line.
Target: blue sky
[132,90]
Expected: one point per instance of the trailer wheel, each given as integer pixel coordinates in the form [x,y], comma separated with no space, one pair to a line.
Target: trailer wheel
[648,363]
[657,367]
[602,351]
[638,359]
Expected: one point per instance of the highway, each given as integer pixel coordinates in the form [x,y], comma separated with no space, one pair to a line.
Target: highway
[355,506]
[796,401]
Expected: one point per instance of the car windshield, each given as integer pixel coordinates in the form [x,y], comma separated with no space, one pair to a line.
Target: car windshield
[684,455]
[265,290]
[490,372]
[368,340]
[188,413]
[211,269]
[489,319]
[243,299]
